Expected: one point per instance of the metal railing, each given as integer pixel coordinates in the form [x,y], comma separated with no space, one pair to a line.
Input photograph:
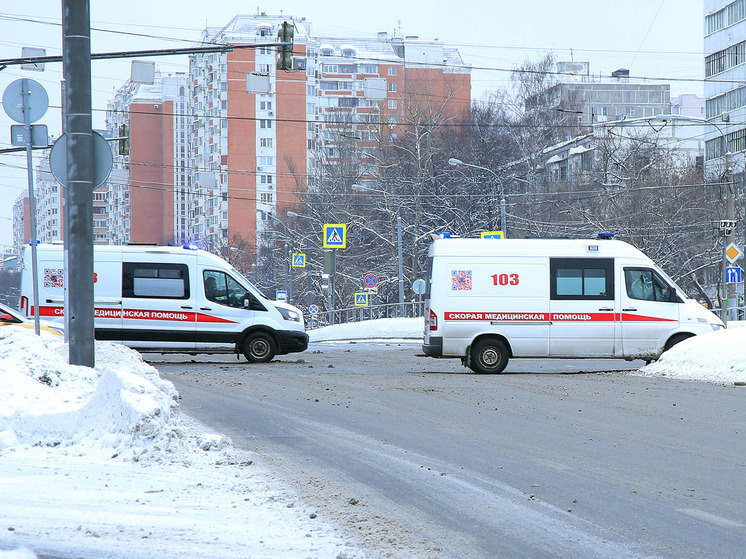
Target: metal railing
[732,313]
[371,312]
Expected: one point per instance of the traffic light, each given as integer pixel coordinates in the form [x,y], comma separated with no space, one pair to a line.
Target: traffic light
[285,52]
[124,139]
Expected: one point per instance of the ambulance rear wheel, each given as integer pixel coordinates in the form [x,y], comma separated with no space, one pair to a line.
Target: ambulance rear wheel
[259,347]
[488,356]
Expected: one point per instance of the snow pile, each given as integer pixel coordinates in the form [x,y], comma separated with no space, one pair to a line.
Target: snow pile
[382,328]
[100,463]
[715,357]
[122,408]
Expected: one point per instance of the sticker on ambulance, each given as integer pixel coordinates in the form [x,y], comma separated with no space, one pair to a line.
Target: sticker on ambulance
[54,277]
[461,280]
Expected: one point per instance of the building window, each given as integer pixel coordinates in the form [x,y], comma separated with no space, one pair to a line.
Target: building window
[392,70]
[266,197]
[392,103]
[392,87]
[266,179]
[265,142]
[265,123]
[265,105]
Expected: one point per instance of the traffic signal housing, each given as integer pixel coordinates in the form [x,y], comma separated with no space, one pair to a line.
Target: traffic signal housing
[285,51]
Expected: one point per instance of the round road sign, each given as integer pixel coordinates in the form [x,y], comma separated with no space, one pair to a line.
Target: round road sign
[38,101]
[313,309]
[370,280]
[419,286]
[103,160]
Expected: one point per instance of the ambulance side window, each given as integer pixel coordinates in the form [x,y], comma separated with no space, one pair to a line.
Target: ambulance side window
[582,278]
[151,280]
[223,289]
[647,285]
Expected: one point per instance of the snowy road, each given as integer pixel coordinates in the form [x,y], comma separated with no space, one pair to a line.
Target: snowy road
[420,457]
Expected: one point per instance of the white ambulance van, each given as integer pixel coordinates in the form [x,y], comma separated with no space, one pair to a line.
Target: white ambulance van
[170,299]
[488,300]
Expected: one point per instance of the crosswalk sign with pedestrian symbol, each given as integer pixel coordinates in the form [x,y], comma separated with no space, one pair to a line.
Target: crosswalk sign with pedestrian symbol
[361,299]
[335,235]
[299,260]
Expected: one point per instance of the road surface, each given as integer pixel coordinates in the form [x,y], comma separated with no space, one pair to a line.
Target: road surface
[418,457]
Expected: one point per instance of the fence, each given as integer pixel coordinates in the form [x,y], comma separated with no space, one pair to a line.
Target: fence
[370,312]
[733,313]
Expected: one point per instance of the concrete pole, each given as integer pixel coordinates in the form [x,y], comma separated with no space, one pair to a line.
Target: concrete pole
[76,57]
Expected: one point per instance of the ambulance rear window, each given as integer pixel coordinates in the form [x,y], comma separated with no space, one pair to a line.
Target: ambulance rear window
[155,280]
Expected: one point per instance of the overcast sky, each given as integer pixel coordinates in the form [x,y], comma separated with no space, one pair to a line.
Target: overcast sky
[659,39]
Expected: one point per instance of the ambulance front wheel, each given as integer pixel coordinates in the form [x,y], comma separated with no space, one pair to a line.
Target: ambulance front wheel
[259,347]
[488,356]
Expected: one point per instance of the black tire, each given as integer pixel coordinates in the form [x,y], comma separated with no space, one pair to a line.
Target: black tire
[259,347]
[673,340]
[488,356]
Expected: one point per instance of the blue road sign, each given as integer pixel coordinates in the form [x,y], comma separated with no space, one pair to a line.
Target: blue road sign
[299,260]
[313,309]
[733,274]
[370,280]
[335,235]
[361,299]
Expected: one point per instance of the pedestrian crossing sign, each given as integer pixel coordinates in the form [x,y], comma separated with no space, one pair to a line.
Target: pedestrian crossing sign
[361,299]
[335,235]
[299,260]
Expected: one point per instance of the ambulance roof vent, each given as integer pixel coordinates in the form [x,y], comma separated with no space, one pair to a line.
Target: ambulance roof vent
[606,236]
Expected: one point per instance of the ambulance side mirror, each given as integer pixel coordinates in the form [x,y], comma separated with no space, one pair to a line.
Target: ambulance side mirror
[252,303]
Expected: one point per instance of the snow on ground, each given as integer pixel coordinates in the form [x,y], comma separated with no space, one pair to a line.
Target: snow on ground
[382,328]
[101,463]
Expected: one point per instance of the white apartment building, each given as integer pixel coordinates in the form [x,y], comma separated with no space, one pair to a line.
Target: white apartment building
[725,79]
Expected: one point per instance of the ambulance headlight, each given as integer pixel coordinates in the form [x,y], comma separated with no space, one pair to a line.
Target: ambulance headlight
[717,326]
[287,314]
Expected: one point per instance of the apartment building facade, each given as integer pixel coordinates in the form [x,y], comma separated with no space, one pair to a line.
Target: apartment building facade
[591,99]
[148,191]
[725,76]
[262,136]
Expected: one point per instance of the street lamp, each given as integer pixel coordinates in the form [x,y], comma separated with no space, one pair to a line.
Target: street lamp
[503,225]
[288,283]
[728,289]
[361,188]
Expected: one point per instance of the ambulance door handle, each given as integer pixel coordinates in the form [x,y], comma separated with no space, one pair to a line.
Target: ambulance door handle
[630,309]
[606,309]
[205,308]
[186,306]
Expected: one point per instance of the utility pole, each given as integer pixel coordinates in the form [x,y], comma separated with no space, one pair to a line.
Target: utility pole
[730,212]
[76,55]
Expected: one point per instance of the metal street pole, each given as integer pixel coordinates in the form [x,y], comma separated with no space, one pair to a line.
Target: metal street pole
[288,272]
[730,212]
[26,93]
[76,55]
[401,263]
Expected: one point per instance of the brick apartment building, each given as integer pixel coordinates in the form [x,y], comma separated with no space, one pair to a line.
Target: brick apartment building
[217,152]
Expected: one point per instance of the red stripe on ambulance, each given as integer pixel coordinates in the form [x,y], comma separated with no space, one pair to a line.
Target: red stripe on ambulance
[549,317]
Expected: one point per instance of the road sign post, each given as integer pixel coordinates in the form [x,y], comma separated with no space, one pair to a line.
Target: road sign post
[26,101]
